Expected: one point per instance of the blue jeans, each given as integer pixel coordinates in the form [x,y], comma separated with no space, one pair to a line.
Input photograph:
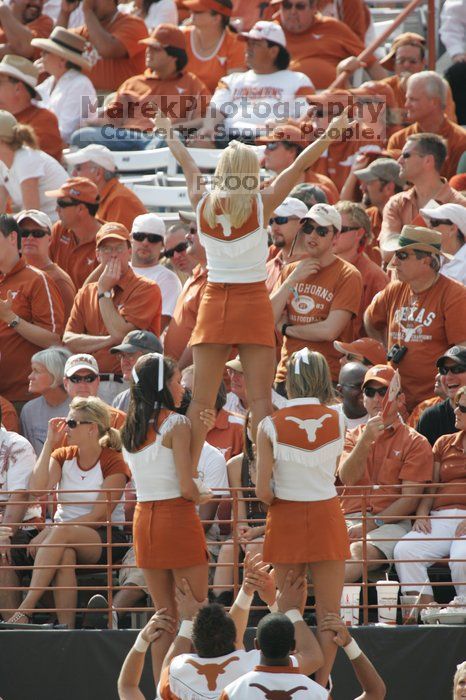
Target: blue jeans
[115,138]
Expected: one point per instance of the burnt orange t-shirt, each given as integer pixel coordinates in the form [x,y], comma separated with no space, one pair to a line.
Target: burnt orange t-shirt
[448,452]
[110,73]
[118,203]
[10,419]
[335,287]
[227,58]
[76,259]
[64,285]
[426,323]
[400,454]
[374,280]
[45,124]
[227,434]
[36,300]
[184,316]
[138,301]
[251,11]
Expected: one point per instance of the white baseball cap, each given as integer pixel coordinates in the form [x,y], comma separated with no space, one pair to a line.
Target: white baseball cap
[149,223]
[454,212]
[324,215]
[270,31]
[100,155]
[35,215]
[291,206]
[80,361]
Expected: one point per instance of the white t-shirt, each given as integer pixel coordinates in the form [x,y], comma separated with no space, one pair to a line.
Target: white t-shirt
[249,100]
[170,285]
[17,460]
[212,470]
[351,423]
[31,163]
[456,269]
[162,12]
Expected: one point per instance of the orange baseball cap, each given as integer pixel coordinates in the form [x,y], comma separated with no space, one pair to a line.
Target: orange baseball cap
[207,6]
[112,229]
[382,374]
[80,188]
[405,39]
[284,132]
[368,348]
[166,35]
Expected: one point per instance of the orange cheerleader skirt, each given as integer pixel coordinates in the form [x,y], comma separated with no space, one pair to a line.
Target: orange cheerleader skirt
[300,532]
[168,535]
[235,314]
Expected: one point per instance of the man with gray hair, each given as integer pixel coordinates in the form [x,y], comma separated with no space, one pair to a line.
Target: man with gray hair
[426,96]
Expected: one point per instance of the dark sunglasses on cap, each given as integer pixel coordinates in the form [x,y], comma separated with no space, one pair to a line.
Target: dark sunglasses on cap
[151,237]
[321,231]
[279,220]
[78,378]
[456,369]
[177,249]
[64,203]
[358,358]
[371,391]
[72,423]
[439,222]
[461,408]
[35,233]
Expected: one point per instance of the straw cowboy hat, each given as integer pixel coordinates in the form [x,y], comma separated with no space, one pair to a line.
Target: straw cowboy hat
[22,69]
[65,44]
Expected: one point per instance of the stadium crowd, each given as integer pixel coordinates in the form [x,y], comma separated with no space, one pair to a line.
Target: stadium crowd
[297,336]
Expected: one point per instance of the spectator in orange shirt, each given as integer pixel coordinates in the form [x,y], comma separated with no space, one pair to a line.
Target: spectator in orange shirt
[366,351]
[426,99]
[214,50]
[227,433]
[117,202]
[354,14]
[31,314]
[21,21]
[18,80]
[9,417]
[114,39]
[284,228]
[35,231]
[72,245]
[105,311]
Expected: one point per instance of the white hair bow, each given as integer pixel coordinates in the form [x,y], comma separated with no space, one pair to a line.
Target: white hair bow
[300,356]
[134,374]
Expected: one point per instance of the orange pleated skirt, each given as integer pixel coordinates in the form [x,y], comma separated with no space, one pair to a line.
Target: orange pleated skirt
[168,535]
[235,314]
[299,532]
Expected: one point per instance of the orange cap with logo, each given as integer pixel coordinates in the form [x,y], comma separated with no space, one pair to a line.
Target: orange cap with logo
[382,374]
[112,229]
[166,35]
[80,188]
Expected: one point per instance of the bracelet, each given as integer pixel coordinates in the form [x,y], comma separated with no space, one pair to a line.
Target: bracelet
[186,629]
[273,608]
[141,644]
[243,600]
[294,615]
[352,650]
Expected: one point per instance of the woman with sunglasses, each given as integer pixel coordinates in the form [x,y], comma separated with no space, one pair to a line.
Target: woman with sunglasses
[87,470]
[169,540]
[235,308]
[298,447]
[439,530]
[450,221]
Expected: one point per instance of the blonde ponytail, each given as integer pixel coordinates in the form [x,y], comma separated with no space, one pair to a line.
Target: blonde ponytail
[111,439]
[23,135]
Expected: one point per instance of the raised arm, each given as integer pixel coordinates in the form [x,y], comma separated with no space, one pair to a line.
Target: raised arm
[47,471]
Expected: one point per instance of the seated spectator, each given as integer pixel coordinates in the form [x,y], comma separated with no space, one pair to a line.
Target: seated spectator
[309,194]
[18,82]
[20,23]
[441,517]
[153,12]
[72,245]
[421,311]
[453,34]
[237,400]
[67,92]
[450,220]
[45,381]
[94,452]
[35,231]
[133,346]
[25,171]
[316,298]
[421,164]
[349,387]
[106,310]
[214,50]
[366,351]
[268,88]
[175,257]
[17,465]
[117,202]
[355,237]
[284,229]
[369,459]
[148,235]
[439,419]
[31,314]
[227,432]
[113,37]
[440,395]
[426,96]
[9,419]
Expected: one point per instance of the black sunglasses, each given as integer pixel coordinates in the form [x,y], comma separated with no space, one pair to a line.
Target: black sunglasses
[461,408]
[72,423]
[279,220]
[35,233]
[358,358]
[272,146]
[64,203]
[321,231]
[402,255]
[438,222]
[78,378]
[456,369]
[151,237]
[177,249]
[371,391]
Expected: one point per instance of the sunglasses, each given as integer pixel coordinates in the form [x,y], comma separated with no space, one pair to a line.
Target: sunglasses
[407,154]
[371,391]
[272,146]
[358,358]
[87,378]
[297,5]
[177,249]
[151,237]
[35,233]
[279,220]
[461,408]
[402,255]
[456,369]
[72,423]
[439,222]
[321,231]
[65,203]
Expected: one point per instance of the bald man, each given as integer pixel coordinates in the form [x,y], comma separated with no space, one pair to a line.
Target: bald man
[349,386]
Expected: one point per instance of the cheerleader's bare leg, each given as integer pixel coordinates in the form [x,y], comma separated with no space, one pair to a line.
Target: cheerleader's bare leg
[258,362]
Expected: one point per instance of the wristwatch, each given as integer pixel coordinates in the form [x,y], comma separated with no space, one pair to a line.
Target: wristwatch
[14,322]
[379,522]
[107,295]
